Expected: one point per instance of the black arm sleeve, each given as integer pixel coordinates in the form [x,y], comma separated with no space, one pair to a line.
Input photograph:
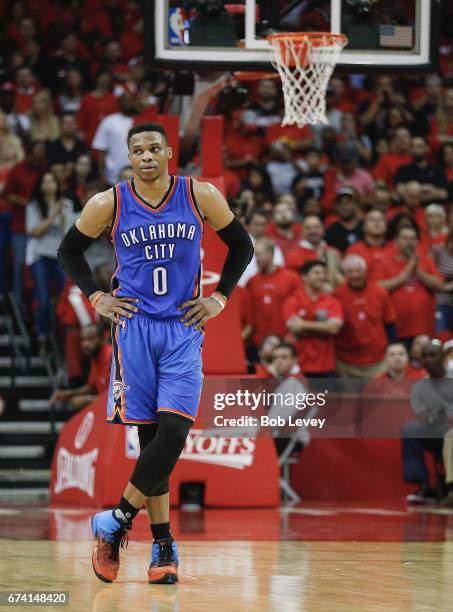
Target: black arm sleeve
[72,260]
[239,256]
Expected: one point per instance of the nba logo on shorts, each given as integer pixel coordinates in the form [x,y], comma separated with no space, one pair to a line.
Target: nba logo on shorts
[118,388]
[122,324]
[132,443]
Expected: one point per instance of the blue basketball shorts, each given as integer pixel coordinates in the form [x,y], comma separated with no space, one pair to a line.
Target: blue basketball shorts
[156,368]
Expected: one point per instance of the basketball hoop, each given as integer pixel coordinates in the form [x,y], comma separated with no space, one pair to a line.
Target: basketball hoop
[305,62]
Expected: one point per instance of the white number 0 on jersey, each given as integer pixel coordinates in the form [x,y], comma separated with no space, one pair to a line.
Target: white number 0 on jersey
[160,280]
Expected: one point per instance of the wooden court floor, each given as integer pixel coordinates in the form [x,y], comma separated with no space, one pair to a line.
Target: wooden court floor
[264,570]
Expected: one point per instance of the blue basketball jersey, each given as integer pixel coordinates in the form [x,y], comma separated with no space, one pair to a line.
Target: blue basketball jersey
[157,249]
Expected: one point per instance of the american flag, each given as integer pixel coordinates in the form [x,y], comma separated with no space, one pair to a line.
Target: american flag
[395,36]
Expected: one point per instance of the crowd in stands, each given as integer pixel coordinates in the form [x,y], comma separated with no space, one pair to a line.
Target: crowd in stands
[351,222]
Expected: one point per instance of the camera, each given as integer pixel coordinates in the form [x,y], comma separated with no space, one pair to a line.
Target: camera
[231,98]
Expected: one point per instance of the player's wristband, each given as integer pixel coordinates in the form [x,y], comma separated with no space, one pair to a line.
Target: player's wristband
[219,298]
[97,296]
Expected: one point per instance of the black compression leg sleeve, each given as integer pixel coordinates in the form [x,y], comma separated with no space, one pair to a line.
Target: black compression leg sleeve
[147,433]
[159,457]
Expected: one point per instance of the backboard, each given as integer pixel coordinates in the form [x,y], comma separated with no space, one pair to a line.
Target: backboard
[203,34]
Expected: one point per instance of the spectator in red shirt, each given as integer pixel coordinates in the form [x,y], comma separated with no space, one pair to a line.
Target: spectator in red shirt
[369,322]
[92,346]
[387,394]
[436,226]
[244,148]
[74,311]
[96,105]
[134,79]
[411,280]
[268,291]
[373,247]
[283,229]
[399,155]
[313,246]
[26,87]
[314,318]
[396,362]
[18,191]
[397,366]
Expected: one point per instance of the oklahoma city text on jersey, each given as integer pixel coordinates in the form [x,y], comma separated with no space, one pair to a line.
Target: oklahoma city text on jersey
[159,231]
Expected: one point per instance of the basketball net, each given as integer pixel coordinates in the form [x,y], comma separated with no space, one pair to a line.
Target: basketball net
[305,62]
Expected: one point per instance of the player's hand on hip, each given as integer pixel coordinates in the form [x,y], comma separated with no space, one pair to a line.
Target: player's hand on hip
[200,310]
[115,307]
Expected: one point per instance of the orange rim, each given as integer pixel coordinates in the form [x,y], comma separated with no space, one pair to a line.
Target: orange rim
[254,76]
[317,39]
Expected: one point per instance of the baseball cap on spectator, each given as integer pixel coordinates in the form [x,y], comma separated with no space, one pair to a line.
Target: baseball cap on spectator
[345,152]
[134,61]
[345,191]
[447,346]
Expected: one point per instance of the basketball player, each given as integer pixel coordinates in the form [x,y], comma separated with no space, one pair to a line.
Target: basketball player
[156,224]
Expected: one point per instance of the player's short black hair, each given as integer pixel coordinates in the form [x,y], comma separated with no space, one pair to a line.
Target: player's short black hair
[308,265]
[146,127]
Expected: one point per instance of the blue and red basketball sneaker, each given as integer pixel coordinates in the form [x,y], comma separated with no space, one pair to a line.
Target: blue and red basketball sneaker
[110,528]
[164,562]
